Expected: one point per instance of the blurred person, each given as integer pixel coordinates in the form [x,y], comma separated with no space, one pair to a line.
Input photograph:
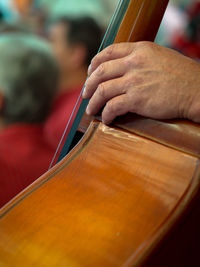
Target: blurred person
[23,6]
[6,27]
[75,42]
[8,11]
[28,83]
[173,21]
[100,10]
[188,41]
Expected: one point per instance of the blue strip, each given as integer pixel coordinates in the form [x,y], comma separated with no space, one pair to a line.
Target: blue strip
[108,40]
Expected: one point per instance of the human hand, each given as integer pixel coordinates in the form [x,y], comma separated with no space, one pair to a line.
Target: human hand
[143,78]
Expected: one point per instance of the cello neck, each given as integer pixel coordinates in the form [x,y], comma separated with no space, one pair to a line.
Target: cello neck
[141,20]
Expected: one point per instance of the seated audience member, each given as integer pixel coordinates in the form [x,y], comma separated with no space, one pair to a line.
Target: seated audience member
[75,42]
[11,28]
[28,83]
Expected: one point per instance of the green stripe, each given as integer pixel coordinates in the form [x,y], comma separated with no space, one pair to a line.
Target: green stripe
[108,39]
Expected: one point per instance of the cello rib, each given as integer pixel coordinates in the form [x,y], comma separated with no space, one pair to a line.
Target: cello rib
[125,190]
[115,216]
[182,135]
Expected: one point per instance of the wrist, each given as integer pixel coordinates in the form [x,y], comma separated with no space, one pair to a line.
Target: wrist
[191,108]
[194,110]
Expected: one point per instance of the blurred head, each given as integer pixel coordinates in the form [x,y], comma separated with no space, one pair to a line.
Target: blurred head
[12,28]
[28,78]
[193,29]
[75,42]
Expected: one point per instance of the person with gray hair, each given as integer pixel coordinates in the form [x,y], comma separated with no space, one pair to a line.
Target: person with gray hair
[28,84]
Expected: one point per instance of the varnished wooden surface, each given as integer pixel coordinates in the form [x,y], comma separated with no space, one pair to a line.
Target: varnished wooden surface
[119,196]
[141,21]
[180,134]
[85,123]
[135,191]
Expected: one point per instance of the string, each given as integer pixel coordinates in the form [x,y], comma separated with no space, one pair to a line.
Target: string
[138,15]
[108,39]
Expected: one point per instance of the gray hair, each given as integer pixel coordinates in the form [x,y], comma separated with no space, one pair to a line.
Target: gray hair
[28,78]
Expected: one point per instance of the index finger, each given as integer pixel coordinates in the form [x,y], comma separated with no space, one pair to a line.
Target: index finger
[111,52]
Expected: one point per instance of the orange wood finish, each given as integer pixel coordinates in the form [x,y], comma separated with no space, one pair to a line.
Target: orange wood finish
[116,196]
[181,134]
[141,21]
[99,209]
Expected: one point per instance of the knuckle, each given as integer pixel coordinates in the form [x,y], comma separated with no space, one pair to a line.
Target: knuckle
[135,59]
[95,61]
[109,49]
[128,82]
[146,47]
[136,102]
[129,47]
[139,59]
[101,69]
[102,90]
[113,107]
[133,80]
[145,44]
[129,60]
[89,83]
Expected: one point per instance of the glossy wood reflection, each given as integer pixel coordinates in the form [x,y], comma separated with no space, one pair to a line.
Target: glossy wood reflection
[119,195]
[113,217]
[141,21]
[183,135]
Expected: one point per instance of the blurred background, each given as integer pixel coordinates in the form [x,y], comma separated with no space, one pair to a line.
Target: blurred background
[45,50]
[180,27]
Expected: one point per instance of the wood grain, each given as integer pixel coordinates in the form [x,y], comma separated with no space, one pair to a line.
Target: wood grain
[183,135]
[116,198]
[135,190]
[141,21]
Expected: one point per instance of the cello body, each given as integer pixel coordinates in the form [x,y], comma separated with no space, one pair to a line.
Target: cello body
[113,201]
[126,195]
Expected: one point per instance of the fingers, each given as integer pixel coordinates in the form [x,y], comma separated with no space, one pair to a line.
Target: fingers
[108,84]
[115,107]
[106,71]
[104,93]
[112,52]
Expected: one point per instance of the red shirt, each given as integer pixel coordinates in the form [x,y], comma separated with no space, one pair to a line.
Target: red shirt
[24,156]
[60,115]
[187,47]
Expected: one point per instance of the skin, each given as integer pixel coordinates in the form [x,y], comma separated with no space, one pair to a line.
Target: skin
[143,78]
[70,58]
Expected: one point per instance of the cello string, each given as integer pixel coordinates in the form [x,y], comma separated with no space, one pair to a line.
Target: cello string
[108,39]
[79,98]
[131,33]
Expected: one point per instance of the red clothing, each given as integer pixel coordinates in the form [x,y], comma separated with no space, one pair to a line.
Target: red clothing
[24,156]
[188,42]
[60,115]
[187,47]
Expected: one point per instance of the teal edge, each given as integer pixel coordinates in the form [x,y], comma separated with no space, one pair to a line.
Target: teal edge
[107,40]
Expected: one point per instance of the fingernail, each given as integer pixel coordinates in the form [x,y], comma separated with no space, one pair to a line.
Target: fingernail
[88,110]
[84,93]
[89,70]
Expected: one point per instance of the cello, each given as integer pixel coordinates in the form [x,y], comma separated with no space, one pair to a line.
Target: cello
[126,195]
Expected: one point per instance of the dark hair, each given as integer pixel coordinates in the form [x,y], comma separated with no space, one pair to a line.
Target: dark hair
[84,31]
[28,78]
[11,28]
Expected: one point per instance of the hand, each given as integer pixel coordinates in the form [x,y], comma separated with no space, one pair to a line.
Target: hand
[143,78]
